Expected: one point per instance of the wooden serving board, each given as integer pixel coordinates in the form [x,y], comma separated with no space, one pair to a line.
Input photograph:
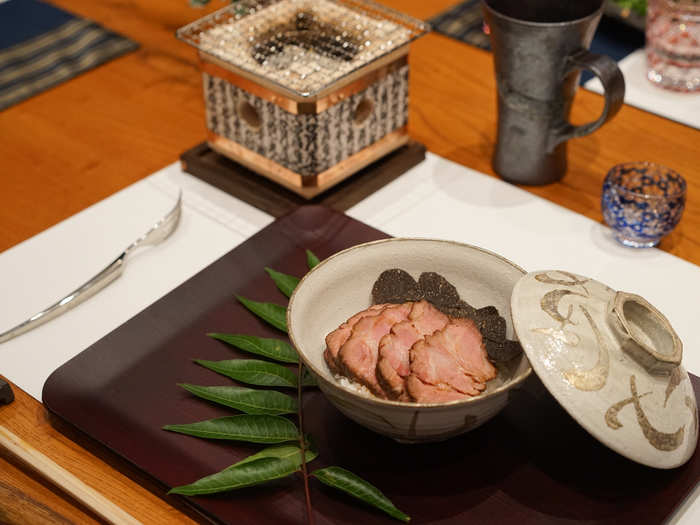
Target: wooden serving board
[532,464]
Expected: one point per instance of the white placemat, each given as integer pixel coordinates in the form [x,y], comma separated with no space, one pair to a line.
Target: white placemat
[639,92]
[41,270]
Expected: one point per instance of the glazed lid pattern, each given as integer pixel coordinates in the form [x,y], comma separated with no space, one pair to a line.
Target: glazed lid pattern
[613,361]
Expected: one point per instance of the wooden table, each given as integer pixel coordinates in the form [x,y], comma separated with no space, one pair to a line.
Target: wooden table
[80,142]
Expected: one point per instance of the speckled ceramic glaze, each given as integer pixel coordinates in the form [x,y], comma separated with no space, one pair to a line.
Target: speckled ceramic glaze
[341,286]
[613,361]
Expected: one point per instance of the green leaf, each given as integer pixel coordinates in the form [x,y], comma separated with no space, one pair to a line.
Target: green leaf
[243,474]
[285,283]
[272,348]
[246,400]
[251,428]
[307,378]
[252,371]
[292,452]
[235,477]
[311,259]
[639,6]
[272,313]
[339,478]
[252,473]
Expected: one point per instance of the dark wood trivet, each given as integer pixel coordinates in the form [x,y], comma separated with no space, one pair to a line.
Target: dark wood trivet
[229,176]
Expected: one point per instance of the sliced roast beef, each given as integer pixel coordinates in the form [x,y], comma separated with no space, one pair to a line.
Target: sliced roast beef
[337,337]
[462,338]
[357,357]
[421,392]
[393,365]
[417,350]
[433,363]
[397,286]
[453,358]
[426,318]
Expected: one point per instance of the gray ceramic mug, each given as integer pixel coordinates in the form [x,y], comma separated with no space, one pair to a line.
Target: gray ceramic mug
[539,49]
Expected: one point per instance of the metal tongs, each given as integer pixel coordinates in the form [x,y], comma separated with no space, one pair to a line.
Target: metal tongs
[160,231]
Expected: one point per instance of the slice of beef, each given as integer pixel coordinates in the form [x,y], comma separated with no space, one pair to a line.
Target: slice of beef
[358,356]
[433,363]
[337,337]
[424,393]
[426,318]
[394,364]
[463,339]
[493,330]
[452,358]
[396,286]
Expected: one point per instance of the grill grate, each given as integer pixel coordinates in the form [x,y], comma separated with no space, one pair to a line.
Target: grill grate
[301,45]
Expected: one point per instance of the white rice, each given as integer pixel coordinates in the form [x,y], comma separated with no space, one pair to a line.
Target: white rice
[353,385]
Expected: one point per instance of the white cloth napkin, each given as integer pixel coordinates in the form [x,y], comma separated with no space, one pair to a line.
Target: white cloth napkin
[639,92]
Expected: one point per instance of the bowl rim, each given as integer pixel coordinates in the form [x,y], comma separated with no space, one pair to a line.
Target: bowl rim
[388,402]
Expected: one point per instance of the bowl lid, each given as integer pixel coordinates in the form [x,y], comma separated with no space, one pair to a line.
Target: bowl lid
[613,362]
[301,47]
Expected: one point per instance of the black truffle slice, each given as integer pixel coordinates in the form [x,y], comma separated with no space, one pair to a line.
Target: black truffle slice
[461,309]
[504,351]
[438,290]
[484,313]
[493,328]
[395,286]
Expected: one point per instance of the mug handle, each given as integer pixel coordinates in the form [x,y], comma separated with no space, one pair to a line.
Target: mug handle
[605,68]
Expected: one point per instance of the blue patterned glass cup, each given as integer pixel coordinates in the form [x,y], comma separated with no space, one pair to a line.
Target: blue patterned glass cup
[642,202]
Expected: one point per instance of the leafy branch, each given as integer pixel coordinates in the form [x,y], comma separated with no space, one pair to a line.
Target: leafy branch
[638,6]
[262,420]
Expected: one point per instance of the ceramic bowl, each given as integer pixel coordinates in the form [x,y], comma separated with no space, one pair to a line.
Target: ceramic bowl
[341,286]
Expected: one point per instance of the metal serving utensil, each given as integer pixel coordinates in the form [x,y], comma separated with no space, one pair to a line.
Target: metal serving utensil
[160,231]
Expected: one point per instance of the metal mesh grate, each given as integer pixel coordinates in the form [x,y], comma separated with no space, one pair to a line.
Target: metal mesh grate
[301,45]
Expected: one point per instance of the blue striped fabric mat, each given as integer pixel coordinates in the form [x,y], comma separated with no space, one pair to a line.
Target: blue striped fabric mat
[41,46]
